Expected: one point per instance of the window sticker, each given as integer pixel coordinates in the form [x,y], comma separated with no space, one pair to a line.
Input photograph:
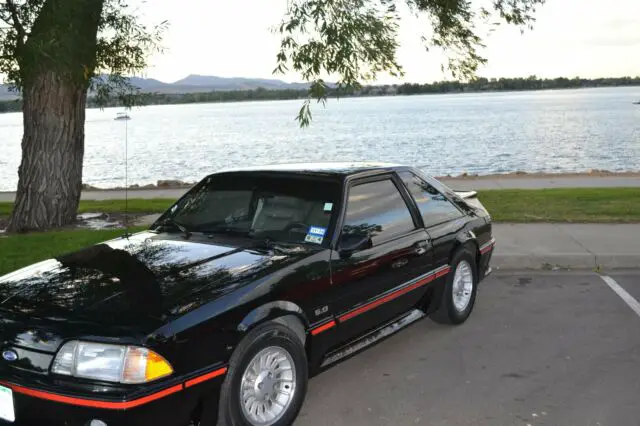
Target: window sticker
[328,207]
[315,234]
[313,239]
[317,230]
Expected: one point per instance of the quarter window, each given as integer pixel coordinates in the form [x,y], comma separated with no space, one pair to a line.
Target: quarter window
[434,207]
[378,209]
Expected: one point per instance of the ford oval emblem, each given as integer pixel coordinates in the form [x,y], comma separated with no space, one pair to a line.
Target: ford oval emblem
[10,355]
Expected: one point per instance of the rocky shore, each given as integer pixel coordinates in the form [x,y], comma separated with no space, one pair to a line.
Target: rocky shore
[161,184]
[534,175]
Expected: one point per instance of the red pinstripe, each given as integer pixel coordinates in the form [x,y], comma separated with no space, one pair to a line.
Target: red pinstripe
[82,402]
[205,377]
[323,327]
[394,295]
[112,405]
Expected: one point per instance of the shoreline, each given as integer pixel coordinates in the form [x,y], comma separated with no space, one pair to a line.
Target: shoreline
[168,185]
[540,175]
[374,90]
[176,184]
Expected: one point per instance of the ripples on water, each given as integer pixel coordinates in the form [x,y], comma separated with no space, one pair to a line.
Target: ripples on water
[550,131]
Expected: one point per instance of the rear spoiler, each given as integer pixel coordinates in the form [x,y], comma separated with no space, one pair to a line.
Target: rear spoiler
[465,195]
[471,199]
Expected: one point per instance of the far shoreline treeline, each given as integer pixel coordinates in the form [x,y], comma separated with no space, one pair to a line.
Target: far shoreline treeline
[260,94]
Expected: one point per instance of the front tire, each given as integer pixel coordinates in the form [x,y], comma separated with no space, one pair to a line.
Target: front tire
[460,290]
[267,379]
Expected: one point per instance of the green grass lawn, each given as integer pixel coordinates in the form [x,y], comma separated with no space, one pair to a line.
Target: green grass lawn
[580,205]
[154,205]
[588,205]
[583,205]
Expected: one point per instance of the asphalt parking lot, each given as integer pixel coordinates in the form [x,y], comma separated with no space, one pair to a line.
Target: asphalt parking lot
[541,348]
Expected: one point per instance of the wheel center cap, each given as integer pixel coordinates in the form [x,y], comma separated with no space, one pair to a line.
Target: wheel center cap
[265,384]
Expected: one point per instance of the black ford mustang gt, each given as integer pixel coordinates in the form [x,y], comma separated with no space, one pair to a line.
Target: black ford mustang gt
[251,282]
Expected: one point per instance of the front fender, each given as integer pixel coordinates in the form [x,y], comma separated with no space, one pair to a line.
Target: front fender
[273,311]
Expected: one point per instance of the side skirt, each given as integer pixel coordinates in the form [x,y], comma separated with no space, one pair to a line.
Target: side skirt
[372,337]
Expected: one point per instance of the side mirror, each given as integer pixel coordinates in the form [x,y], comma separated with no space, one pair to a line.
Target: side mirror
[351,243]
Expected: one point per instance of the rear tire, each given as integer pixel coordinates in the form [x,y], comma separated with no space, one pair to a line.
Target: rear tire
[277,355]
[460,289]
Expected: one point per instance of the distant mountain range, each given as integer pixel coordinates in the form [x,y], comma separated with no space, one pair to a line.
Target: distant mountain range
[195,84]
[206,83]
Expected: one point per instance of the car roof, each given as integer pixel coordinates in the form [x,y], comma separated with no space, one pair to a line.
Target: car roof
[322,168]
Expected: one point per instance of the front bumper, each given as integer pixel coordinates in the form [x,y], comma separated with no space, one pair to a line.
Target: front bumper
[170,405]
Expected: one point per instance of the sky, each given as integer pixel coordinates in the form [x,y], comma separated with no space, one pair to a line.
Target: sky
[587,38]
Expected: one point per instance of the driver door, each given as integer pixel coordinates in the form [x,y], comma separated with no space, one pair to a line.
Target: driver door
[381,279]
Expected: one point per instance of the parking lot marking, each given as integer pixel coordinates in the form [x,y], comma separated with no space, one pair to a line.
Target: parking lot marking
[628,299]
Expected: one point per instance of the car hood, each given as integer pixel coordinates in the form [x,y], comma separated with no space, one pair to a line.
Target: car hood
[139,282]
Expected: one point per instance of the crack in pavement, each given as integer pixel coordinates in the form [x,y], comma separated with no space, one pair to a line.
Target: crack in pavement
[595,256]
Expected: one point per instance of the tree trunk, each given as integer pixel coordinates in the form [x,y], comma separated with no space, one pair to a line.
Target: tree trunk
[56,63]
[50,174]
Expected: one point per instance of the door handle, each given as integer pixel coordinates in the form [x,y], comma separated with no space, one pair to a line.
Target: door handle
[421,246]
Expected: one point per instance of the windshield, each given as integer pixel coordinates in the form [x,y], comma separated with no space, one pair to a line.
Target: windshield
[288,209]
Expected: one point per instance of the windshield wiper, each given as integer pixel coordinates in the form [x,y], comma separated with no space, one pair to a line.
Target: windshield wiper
[267,244]
[172,222]
[282,247]
[225,230]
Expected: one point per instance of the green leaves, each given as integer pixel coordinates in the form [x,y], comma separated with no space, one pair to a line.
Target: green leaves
[123,47]
[107,49]
[124,43]
[356,40]
[304,115]
[517,12]
[16,18]
[113,87]
[346,41]
[353,39]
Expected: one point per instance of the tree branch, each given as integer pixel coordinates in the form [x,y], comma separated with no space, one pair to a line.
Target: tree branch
[11,6]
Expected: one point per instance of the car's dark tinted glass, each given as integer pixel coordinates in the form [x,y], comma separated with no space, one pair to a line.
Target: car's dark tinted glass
[378,209]
[434,207]
[289,209]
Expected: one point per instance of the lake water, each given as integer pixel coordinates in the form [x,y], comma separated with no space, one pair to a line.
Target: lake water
[547,131]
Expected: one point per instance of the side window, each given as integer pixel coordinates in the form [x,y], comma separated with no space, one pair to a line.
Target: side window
[378,209]
[434,207]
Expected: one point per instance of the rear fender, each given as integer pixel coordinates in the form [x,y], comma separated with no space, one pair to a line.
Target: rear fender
[468,238]
[433,298]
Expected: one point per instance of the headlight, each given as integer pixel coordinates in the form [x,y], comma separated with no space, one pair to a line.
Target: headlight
[111,363]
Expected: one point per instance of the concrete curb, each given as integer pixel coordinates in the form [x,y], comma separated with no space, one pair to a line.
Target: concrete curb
[566,246]
[618,261]
[565,261]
